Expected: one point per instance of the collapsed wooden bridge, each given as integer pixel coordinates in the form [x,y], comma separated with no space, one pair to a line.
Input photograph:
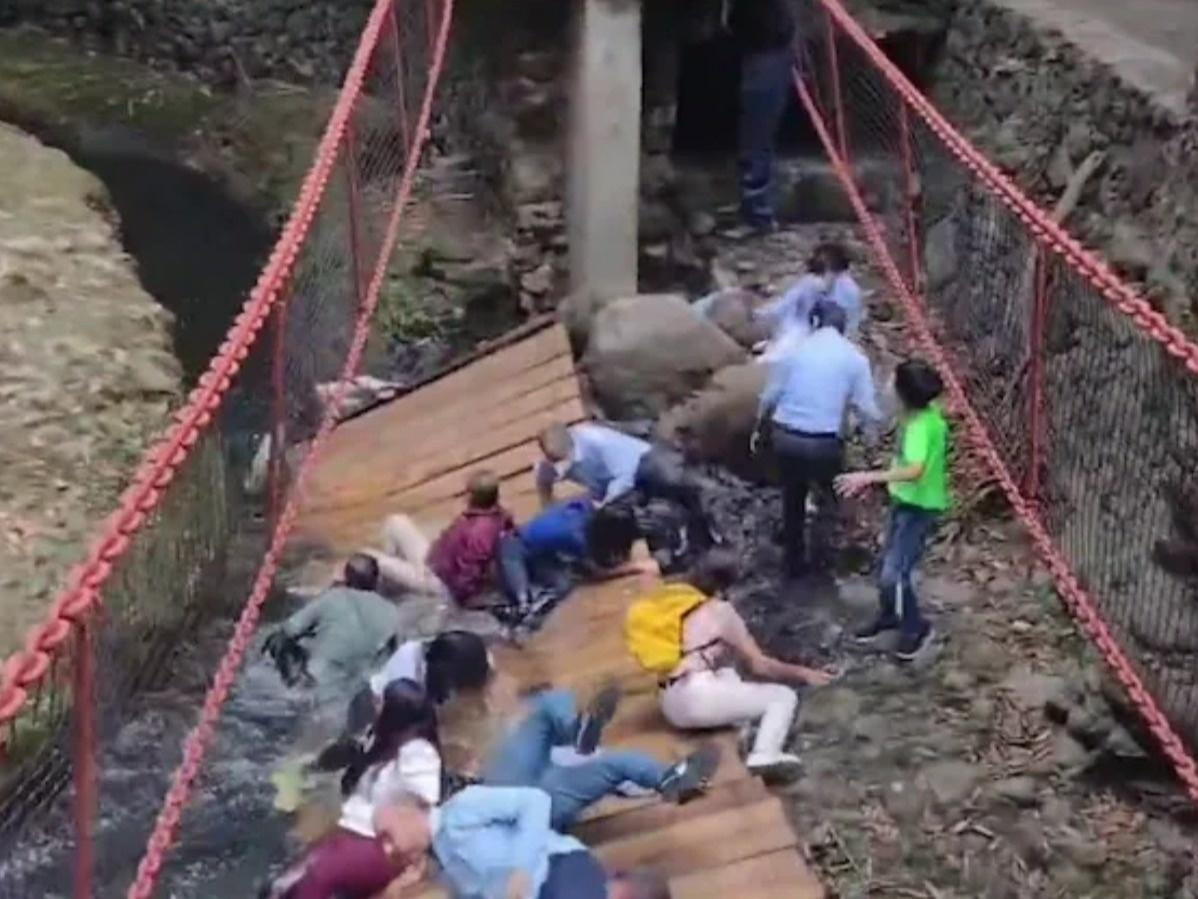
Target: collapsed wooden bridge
[412,455]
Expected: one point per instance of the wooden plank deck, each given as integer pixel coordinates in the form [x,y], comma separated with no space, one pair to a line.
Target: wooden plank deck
[413,455]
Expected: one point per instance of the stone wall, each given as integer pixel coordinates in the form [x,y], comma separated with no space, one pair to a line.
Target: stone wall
[223,41]
[1038,105]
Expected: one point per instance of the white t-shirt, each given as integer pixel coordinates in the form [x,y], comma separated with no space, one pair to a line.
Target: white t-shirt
[407,662]
[416,771]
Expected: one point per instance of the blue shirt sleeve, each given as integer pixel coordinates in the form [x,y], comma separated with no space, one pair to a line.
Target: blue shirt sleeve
[521,812]
[774,385]
[864,395]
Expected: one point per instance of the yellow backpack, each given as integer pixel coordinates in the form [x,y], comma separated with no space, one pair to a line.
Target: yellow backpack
[653,626]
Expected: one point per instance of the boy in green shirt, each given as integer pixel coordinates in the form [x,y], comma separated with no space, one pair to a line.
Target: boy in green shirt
[919,496]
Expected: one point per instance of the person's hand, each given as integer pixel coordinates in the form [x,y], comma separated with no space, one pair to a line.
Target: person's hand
[755,441]
[815,677]
[854,483]
[760,346]
[519,886]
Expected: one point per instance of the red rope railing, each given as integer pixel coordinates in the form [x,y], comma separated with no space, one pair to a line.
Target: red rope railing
[1052,239]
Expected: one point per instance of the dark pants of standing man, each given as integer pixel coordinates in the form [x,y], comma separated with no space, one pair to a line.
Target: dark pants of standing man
[765,85]
[807,462]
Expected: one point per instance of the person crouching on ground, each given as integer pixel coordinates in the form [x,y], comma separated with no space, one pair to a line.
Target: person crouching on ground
[612,465]
[459,564]
[705,690]
[402,759]
[919,495]
[496,843]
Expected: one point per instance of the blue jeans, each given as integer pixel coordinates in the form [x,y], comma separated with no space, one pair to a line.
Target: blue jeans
[907,534]
[523,576]
[765,86]
[523,760]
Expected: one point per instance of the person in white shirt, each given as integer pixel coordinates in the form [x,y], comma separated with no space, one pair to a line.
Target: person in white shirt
[402,761]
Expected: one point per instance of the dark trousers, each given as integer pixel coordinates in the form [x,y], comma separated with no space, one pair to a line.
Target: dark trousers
[663,475]
[526,579]
[907,533]
[806,463]
[574,875]
[765,85]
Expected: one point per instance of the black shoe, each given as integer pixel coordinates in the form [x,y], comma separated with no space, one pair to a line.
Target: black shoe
[911,645]
[597,716]
[692,776]
[871,632]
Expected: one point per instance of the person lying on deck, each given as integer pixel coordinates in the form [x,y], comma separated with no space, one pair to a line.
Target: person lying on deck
[401,759]
[335,637]
[539,562]
[497,843]
[703,689]
[612,466]
[460,563]
[555,748]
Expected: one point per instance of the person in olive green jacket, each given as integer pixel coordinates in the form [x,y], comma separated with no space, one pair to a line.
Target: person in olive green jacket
[919,497]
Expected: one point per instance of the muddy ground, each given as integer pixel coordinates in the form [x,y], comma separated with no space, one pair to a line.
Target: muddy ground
[1006,765]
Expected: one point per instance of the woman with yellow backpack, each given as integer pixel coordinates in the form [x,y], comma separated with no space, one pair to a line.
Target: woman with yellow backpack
[691,638]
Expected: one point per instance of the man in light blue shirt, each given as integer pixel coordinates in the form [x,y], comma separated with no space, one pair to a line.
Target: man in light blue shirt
[805,402]
[496,843]
[612,465]
[827,278]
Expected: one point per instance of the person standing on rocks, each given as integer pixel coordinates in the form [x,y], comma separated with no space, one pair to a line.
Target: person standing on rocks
[805,403]
[919,494]
[612,465]
[764,31]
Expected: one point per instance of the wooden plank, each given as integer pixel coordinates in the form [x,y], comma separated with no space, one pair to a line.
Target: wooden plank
[774,875]
[710,841]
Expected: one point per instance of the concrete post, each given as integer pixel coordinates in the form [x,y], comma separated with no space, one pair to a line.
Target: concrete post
[605,149]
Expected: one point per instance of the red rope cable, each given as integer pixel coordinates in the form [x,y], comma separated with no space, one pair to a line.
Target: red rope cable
[1043,229]
[1077,600]
[200,737]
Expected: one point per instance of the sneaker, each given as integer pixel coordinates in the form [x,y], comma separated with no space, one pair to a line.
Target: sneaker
[877,628]
[692,776]
[911,645]
[598,714]
[774,766]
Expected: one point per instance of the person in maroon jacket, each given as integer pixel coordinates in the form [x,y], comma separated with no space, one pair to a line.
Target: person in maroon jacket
[460,563]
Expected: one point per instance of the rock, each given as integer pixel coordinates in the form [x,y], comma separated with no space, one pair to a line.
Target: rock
[1032,690]
[716,423]
[1021,791]
[1081,850]
[658,177]
[1130,250]
[940,254]
[655,222]
[830,707]
[815,195]
[539,281]
[647,352]
[531,176]
[1060,168]
[701,223]
[732,312]
[540,219]
[957,680]
[951,783]
[1068,756]
[1030,841]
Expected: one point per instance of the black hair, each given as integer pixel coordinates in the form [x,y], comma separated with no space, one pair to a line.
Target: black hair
[362,572]
[407,714]
[917,383]
[816,263]
[455,661]
[827,314]
[611,533]
[835,257]
[715,572]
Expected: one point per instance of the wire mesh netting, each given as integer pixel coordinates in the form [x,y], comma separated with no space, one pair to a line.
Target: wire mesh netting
[164,607]
[1089,413]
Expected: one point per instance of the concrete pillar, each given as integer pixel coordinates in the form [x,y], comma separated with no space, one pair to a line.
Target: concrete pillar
[605,149]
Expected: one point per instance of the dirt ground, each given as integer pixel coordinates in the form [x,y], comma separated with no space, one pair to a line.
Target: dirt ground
[1004,766]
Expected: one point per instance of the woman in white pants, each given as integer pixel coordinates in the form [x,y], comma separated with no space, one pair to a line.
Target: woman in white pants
[705,690]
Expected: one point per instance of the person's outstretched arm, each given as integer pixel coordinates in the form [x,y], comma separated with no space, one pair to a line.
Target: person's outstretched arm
[545,478]
[736,636]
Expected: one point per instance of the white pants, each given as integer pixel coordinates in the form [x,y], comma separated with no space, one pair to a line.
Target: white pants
[402,563]
[720,698]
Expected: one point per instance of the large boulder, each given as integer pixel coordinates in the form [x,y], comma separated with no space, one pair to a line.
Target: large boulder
[646,353]
[715,424]
[732,312]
